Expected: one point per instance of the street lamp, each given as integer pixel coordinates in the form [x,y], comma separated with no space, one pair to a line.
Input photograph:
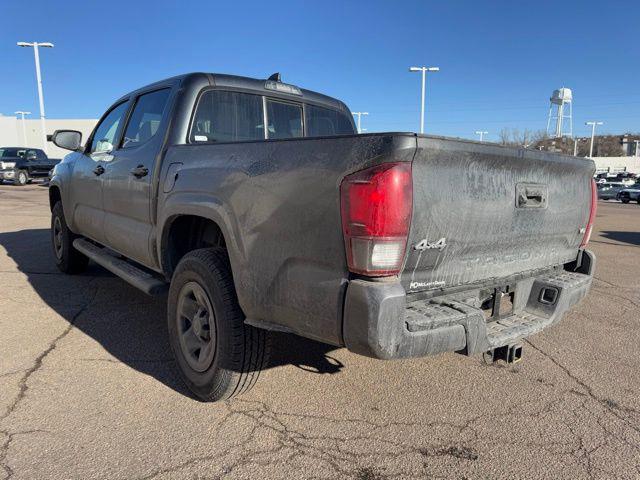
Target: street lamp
[481,133]
[424,71]
[35,46]
[593,133]
[24,128]
[359,115]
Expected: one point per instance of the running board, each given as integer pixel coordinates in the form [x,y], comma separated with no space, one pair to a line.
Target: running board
[145,281]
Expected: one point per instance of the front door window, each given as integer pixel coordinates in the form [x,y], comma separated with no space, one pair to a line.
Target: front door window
[105,135]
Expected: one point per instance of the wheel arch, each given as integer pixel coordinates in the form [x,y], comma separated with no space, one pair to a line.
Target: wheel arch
[183,233]
[55,195]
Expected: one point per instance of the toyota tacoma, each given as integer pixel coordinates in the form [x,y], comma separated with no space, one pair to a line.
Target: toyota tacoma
[255,206]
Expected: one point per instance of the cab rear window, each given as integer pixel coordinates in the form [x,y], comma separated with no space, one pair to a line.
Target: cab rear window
[324,121]
[226,116]
[284,120]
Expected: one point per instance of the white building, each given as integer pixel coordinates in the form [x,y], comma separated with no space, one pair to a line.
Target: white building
[617,164]
[12,135]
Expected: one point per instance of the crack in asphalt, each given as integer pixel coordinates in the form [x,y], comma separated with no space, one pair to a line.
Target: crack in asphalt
[609,404]
[4,448]
[616,295]
[24,387]
[336,452]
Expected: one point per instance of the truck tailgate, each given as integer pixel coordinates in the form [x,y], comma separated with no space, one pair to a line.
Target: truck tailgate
[483,212]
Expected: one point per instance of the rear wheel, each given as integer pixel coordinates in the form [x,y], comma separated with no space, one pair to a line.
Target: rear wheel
[624,200]
[68,259]
[21,178]
[218,355]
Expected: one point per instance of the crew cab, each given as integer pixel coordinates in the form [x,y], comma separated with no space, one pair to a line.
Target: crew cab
[258,207]
[21,165]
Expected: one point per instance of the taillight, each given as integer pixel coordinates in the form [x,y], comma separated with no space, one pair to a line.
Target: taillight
[376,208]
[592,214]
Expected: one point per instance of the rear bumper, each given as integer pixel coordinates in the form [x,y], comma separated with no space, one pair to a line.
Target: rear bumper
[378,321]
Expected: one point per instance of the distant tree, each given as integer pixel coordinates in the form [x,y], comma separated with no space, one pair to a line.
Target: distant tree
[504,136]
[608,146]
[515,138]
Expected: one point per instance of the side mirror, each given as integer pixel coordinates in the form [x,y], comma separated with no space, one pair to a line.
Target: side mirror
[67,139]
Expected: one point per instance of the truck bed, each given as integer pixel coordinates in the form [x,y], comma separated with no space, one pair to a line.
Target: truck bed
[279,205]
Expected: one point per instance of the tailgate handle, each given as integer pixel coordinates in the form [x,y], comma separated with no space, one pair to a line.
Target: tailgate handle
[531,196]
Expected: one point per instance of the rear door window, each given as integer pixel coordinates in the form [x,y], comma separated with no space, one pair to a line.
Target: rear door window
[146,117]
[228,117]
[325,121]
[284,120]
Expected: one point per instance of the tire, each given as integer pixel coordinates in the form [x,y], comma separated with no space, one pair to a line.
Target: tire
[219,357]
[624,200]
[68,259]
[22,177]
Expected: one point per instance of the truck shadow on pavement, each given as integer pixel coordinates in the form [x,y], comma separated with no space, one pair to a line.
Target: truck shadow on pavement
[129,325]
[632,238]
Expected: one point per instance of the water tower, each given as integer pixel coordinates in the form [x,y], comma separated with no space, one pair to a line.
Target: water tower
[561,102]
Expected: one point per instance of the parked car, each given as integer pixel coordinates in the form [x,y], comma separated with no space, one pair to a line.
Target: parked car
[258,207]
[627,178]
[22,165]
[609,190]
[629,194]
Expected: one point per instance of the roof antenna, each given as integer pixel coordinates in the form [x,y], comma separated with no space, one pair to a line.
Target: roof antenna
[275,77]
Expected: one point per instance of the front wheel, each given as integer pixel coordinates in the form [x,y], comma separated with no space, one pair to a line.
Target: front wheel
[624,200]
[218,355]
[21,178]
[68,259]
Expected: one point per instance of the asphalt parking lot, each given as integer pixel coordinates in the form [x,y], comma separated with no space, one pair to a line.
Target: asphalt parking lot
[88,388]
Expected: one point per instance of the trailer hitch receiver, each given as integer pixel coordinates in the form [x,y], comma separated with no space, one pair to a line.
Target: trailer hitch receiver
[507,353]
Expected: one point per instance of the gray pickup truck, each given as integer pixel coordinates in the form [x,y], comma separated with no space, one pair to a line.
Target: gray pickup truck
[259,208]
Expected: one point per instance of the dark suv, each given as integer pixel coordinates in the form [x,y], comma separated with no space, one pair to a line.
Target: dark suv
[21,165]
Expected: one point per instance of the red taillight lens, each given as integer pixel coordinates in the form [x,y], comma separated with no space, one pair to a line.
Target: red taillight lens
[592,214]
[376,208]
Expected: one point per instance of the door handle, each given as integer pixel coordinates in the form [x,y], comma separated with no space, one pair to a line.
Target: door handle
[99,170]
[140,171]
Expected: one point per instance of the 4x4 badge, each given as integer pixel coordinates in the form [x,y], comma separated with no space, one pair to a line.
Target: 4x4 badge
[425,245]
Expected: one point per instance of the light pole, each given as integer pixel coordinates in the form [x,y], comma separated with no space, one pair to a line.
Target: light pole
[359,115]
[24,127]
[593,134]
[35,46]
[424,71]
[481,133]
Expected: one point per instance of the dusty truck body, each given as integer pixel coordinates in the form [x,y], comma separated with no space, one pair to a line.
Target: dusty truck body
[259,208]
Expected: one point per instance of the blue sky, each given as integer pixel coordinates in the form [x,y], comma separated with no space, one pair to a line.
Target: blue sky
[499,60]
